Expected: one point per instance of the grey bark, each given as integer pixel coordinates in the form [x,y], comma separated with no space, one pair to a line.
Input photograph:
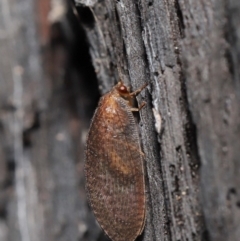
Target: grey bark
[20,206]
[44,114]
[188,52]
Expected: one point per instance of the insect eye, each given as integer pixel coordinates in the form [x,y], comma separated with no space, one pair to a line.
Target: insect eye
[122,89]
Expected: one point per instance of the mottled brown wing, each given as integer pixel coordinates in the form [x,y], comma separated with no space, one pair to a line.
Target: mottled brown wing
[114,171]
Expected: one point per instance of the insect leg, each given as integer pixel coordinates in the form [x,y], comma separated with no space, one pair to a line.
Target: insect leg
[136,92]
[139,108]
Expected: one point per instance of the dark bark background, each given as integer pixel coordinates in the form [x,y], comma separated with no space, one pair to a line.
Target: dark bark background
[57,57]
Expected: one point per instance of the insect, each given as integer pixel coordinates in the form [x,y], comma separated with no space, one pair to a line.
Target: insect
[114,166]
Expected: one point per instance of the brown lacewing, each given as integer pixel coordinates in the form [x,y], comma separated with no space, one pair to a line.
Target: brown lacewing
[114,166]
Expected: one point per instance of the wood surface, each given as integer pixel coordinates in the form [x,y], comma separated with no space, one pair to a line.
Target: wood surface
[188,52]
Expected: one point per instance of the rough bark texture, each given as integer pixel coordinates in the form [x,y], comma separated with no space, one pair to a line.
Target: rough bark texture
[188,51]
[46,106]
[142,42]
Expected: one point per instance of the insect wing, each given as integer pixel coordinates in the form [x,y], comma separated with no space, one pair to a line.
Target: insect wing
[114,171]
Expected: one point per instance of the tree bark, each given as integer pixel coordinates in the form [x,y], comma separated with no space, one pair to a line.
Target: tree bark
[44,115]
[188,52]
